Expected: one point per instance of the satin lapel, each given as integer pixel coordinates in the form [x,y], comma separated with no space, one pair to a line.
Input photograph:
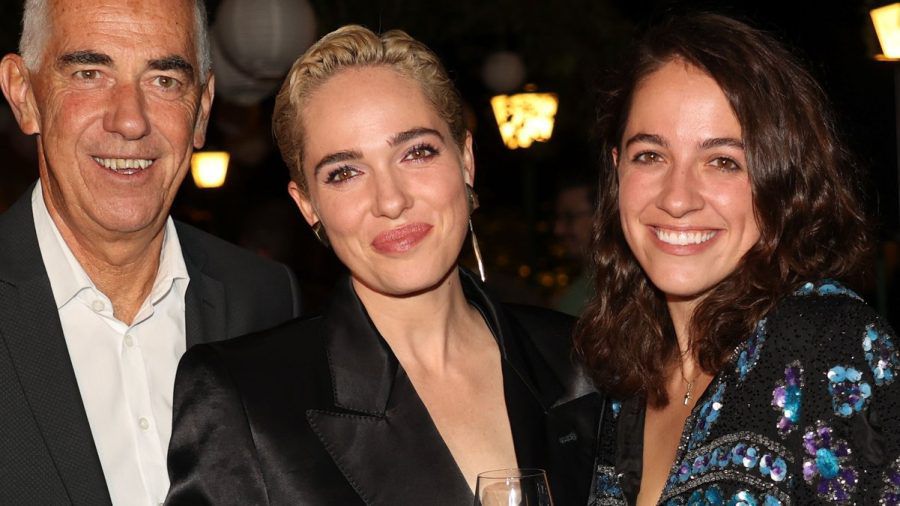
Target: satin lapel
[398,458]
[380,434]
[32,333]
[529,386]
[204,301]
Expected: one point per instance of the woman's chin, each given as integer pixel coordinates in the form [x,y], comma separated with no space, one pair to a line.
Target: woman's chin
[406,283]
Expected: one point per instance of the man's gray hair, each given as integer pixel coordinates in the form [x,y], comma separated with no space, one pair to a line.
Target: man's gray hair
[36,26]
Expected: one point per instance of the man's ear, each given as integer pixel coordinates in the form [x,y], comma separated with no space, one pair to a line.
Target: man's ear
[307,209]
[206,99]
[15,79]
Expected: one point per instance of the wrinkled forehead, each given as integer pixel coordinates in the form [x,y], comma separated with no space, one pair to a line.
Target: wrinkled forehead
[164,27]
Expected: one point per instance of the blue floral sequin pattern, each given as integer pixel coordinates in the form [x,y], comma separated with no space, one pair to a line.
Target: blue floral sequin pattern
[713,496]
[749,356]
[880,354]
[827,467]
[827,288]
[707,416]
[849,393]
[787,398]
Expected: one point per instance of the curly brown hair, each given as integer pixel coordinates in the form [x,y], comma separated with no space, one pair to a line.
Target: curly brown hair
[806,198]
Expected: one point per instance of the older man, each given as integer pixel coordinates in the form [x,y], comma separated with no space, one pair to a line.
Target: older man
[100,291]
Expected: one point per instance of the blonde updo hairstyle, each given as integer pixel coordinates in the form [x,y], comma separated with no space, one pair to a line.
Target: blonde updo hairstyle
[354,46]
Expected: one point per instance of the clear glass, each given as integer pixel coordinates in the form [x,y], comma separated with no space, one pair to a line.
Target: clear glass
[513,487]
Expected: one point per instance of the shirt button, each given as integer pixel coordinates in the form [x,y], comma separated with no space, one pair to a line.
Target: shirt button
[97,305]
[129,341]
[143,423]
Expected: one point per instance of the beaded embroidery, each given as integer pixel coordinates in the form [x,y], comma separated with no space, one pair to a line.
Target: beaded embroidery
[827,465]
[890,496]
[707,416]
[787,398]
[731,457]
[749,356]
[605,490]
[881,355]
[827,287]
[849,394]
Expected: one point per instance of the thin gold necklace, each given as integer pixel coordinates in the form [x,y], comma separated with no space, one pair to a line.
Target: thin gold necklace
[689,384]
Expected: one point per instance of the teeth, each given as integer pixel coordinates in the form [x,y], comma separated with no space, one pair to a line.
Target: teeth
[683,238]
[124,165]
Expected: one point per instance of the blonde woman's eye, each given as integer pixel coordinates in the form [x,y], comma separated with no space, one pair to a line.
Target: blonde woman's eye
[421,152]
[341,174]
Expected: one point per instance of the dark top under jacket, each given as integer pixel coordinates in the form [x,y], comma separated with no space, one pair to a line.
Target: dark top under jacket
[807,411]
[319,412]
[47,452]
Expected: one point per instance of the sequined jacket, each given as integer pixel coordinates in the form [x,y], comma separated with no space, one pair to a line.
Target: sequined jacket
[807,411]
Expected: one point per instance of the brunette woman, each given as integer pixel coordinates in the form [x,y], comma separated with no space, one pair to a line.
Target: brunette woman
[742,370]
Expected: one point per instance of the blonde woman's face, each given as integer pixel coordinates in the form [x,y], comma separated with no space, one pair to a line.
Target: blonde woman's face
[386,180]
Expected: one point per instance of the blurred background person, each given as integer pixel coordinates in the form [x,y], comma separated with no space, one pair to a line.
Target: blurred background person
[575,201]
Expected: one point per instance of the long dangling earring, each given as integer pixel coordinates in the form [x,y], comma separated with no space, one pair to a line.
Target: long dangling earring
[319,231]
[473,205]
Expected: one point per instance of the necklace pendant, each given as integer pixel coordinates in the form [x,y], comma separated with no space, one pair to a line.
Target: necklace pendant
[687,397]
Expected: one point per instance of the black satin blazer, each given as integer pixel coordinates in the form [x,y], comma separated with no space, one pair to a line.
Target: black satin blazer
[320,412]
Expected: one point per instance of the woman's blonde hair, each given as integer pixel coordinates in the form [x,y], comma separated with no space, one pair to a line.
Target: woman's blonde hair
[354,46]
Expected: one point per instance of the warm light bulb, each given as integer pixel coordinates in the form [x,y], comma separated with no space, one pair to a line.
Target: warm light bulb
[209,168]
[525,118]
[887,25]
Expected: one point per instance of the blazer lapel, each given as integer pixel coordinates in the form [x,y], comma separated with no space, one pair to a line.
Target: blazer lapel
[380,435]
[30,328]
[204,301]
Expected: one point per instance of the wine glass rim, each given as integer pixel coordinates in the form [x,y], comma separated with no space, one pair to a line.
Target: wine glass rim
[512,472]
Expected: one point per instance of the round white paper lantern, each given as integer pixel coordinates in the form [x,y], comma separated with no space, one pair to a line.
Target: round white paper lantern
[503,71]
[235,86]
[262,38]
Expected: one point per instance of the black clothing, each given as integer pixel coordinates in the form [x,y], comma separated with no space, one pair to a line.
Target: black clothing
[47,453]
[320,412]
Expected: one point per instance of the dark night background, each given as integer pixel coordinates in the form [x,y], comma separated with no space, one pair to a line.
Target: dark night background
[566,46]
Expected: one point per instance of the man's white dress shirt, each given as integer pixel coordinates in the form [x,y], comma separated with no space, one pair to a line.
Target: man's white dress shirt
[125,373]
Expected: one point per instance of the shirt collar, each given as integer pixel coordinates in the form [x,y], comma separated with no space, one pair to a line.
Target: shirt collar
[68,278]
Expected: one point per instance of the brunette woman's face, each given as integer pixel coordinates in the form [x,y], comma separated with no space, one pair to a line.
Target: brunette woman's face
[685,198]
[386,179]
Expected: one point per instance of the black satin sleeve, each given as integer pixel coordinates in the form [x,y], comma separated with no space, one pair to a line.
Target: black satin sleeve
[212,458]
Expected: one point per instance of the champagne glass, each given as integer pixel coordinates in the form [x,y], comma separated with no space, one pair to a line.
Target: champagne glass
[513,487]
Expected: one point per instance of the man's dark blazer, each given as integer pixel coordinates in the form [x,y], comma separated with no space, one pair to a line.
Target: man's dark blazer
[47,454]
[319,412]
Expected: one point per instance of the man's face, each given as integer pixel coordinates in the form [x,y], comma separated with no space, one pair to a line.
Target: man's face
[118,106]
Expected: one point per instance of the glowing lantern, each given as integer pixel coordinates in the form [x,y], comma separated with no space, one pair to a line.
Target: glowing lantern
[887,25]
[209,168]
[525,117]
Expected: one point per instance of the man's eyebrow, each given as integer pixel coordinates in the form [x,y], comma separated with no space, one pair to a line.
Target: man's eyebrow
[172,62]
[340,156]
[412,134]
[648,138]
[87,57]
